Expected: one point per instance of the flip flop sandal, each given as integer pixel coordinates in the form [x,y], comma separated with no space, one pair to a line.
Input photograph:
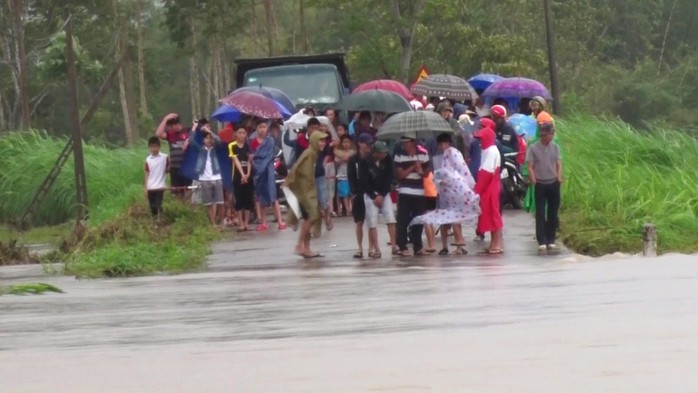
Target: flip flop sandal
[457,244]
[375,255]
[396,251]
[461,252]
[492,252]
[359,255]
[313,256]
[430,250]
[444,251]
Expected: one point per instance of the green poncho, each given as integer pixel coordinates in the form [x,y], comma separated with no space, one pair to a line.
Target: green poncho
[301,180]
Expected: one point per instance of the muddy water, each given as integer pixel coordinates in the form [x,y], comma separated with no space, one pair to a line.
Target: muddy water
[260,320]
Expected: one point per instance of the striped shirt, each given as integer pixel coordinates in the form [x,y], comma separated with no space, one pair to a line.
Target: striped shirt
[413,184]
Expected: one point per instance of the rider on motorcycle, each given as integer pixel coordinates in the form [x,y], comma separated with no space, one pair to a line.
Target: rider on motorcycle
[504,131]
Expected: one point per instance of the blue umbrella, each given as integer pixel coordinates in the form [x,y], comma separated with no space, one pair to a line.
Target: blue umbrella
[483,81]
[226,113]
[524,125]
[270,92]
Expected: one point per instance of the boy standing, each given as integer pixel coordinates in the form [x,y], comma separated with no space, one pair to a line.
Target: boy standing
[208,169]
[156,165]
[376,178]
[545,171]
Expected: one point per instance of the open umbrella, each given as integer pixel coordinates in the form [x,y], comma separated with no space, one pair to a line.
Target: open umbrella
[515,88]
[226,113]
[387,85]
[442,85]
[255,104]
[524,125]
[423,124]
[483,81]
[270,92]
[375,100]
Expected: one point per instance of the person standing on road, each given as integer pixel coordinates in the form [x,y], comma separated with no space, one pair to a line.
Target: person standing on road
[504,131]
[376,177]
[156,167]
[358,206]
[545,171]
[171,129]
[239,152]
[488,186]
[412,166]
[208,169]
[301,180]
[262,152]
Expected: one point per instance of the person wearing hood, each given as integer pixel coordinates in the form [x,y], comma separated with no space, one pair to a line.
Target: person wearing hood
[488,186]
[301,181]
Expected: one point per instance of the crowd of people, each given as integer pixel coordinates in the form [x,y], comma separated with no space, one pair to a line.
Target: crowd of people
[417,187]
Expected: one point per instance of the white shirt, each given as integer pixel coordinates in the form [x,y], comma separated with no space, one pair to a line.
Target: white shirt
[208,168]
[156,166]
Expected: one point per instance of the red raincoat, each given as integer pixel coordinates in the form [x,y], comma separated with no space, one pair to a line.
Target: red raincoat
[488,184]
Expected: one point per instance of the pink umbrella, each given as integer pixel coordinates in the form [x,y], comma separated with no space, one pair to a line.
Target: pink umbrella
[253,104]
[385,84]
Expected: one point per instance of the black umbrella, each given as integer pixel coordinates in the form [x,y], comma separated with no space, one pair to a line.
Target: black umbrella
[376,101]
[442,85]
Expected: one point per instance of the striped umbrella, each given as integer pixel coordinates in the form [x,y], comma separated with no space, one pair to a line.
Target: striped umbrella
[443,85]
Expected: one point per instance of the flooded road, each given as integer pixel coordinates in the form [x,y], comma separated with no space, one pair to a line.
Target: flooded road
[261,320]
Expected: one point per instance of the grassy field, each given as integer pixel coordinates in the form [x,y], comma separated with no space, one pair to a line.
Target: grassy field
[618,179]
[121,238]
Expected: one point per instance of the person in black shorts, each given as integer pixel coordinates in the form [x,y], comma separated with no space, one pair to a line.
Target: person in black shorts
[358,207]
[243,188]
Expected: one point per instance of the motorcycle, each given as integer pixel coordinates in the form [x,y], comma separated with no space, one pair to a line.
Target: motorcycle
[514,185]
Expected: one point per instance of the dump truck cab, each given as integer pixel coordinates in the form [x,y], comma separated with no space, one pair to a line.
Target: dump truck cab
[317,80]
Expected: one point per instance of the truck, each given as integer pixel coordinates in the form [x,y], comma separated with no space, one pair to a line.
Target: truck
[319,81]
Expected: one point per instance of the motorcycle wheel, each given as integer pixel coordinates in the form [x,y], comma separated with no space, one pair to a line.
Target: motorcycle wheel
[515,199]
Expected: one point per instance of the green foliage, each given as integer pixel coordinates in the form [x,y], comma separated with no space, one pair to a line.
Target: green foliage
[29,289]
[28,158]
[618,179]
[133,244]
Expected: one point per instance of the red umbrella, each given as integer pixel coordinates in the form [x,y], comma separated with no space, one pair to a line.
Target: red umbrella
[385,84]
[253,104]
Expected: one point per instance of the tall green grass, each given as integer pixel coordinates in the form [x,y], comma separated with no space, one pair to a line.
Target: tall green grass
[121,238]
[618,179]
[113,175]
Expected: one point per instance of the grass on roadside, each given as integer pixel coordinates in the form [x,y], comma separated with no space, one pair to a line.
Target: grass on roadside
[618,179]
[133,244]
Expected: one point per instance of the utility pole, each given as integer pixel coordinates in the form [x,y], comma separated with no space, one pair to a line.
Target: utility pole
[552,59]
[80,180]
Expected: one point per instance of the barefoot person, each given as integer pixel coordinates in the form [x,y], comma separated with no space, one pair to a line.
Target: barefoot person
[301,180]
[488,186]
[545,171]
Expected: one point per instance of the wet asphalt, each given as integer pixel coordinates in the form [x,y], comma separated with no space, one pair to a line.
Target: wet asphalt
[260,319]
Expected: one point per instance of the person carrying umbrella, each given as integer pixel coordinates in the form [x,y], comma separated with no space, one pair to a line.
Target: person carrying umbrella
[412,166]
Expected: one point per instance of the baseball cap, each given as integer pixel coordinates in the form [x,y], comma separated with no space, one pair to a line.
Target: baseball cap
[498,111]
[380,147]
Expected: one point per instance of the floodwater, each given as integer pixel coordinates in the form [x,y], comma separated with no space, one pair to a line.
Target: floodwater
[261,320]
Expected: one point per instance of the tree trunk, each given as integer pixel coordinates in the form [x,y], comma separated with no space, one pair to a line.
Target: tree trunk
[304,32]
[17,11]
[12,107]
[3,124]
[407,21]
[293,28]
[271,25]
[141,59]
[125,79]
[194,74]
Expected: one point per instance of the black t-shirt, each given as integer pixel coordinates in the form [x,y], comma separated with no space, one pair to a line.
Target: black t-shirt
[507,136]
[242,153]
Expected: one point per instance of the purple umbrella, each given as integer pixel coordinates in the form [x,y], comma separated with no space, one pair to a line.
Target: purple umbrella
[254,104]
[515,88]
